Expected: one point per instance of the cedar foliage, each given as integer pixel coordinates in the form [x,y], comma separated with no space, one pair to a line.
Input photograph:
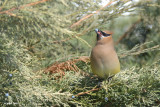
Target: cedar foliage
[35,34]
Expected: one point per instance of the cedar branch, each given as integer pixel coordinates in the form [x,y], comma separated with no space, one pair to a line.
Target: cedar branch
[78,22]
[21,7]
[87,92]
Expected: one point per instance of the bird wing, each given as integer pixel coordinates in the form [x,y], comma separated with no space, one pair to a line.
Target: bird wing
[97,65]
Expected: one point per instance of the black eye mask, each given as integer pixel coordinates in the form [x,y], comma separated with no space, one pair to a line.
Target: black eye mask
[101,34]
[105,34]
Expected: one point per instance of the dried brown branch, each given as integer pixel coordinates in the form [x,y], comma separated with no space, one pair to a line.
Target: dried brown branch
[128,31]
[69,65]
[87,92]
[21,7]
[78,22]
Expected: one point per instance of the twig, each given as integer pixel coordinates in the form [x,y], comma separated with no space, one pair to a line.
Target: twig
[128,31]
[87,92]
[21,7]
[77,23]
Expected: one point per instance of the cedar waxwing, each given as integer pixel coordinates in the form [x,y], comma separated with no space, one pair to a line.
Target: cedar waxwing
[104,59]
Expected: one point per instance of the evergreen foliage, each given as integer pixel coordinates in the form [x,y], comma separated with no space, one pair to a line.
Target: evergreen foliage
[35,34]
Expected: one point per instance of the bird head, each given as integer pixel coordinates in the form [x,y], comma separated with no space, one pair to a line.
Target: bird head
[101,34]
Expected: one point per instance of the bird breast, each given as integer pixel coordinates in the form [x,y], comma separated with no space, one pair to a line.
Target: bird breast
[104,59]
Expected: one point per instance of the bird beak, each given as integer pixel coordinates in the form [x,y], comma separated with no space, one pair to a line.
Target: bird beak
[99,32]
[96,30]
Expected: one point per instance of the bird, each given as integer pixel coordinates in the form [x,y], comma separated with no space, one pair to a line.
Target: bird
[104,59]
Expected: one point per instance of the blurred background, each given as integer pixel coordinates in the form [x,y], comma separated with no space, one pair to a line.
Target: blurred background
[38,34]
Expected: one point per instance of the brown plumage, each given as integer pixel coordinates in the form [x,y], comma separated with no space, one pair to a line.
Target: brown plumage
[104,59]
